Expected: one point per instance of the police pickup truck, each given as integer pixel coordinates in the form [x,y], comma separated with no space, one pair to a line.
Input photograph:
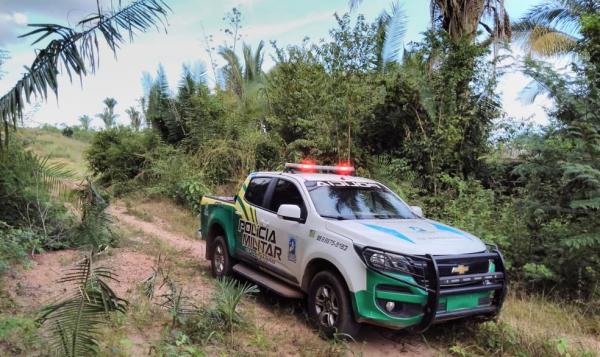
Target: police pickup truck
[350,246]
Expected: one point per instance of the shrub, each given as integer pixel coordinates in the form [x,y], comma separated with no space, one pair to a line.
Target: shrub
[117,155]
[33,215]
[14,245]
[17,335]
[67,131]
[169,172]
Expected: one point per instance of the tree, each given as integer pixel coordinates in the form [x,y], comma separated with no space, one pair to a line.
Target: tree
[162,110]
[560,172]
[76,51]
[85,121]
[462,19]
[238,75]
[108,115]
[553,27]
[135,116]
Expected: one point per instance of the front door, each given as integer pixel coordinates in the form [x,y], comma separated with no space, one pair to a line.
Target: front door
[291,236]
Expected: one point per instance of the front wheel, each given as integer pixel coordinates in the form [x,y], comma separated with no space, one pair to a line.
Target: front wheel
[329,306]
[220,262]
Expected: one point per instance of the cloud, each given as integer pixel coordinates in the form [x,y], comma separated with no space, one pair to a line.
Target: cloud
[58,9]
[271,30]
[10,23]
[14,15]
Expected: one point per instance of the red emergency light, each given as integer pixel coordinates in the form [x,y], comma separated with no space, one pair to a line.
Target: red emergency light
[310,167]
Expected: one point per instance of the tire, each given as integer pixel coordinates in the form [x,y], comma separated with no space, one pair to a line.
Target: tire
[329,306]
[220,261]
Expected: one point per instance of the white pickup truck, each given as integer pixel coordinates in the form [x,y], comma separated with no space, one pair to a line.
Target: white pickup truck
[350,246]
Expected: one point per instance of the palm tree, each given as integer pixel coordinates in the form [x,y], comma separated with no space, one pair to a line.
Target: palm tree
[238,76]
[135,116]
[108,116]
[85,121]
[462,19]
[253,62]
[552,28]
[75,50]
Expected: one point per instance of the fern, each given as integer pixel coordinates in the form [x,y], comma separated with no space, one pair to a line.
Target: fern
[73,322]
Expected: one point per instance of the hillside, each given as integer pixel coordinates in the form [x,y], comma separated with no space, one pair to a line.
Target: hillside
[156,234]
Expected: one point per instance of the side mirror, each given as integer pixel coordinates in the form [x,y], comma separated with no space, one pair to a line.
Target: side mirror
[289,213]
[417,210]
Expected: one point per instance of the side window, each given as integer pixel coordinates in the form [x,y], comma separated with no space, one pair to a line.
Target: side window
[255,193]
[286,193]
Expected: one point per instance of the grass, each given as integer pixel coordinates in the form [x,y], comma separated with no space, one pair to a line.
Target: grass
[57,147]
[177,219]
[527,326]
[18,335]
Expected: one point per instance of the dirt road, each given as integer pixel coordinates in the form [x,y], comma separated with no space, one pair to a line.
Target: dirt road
[282,321]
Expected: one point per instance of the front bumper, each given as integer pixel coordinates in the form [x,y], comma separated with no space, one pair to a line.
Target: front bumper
[431,294]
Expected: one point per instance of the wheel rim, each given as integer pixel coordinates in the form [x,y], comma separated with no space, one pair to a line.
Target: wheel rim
[326,306]
[219,258]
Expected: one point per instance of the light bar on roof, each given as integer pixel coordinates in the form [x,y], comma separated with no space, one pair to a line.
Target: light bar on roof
[339,170]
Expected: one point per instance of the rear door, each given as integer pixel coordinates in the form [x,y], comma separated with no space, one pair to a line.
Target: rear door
[256,240]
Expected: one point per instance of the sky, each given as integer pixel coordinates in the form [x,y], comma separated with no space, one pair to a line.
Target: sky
[287,22]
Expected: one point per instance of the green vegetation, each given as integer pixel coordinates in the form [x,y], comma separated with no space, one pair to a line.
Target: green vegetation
[427,123]
[73,322]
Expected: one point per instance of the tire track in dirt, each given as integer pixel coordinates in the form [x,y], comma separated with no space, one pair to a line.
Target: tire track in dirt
[192,248]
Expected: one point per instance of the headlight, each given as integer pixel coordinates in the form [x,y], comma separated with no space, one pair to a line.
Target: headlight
[387,261]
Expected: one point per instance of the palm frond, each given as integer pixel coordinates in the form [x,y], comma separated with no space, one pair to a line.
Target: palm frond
[73,322]
[560,14]
[395,30]
[233,71]
[54,176]
[543,40]
[75,51]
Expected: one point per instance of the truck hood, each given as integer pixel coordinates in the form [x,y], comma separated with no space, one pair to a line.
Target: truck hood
[409,236]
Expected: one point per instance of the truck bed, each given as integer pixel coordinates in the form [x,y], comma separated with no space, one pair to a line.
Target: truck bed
[225,199]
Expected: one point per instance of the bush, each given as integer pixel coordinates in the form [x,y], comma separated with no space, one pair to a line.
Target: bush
[14,245]
[67,131]
[29,187]
[169,172]
[117,155]
[17,335]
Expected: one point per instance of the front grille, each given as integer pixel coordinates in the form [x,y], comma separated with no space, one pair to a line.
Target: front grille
[474,267]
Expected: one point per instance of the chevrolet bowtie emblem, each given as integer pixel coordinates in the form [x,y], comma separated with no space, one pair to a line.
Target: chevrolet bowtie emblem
[460,269]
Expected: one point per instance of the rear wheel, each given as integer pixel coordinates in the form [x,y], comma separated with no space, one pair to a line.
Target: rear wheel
[220,261]
[329,306]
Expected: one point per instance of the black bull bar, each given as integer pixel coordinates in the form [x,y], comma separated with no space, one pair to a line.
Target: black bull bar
[435,275]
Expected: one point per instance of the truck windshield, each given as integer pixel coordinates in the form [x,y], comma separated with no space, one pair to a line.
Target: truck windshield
[356,200]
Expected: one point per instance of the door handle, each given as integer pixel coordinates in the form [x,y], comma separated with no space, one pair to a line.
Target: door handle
[266,223]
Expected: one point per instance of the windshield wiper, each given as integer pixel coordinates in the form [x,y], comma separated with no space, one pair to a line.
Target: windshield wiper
[388,216]
[339,218]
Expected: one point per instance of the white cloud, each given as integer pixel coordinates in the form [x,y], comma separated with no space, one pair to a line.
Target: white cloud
[10,24]
[269,30]
[20,18]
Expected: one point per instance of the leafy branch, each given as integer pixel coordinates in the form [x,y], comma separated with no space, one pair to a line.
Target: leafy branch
[75,50]
[73,322]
